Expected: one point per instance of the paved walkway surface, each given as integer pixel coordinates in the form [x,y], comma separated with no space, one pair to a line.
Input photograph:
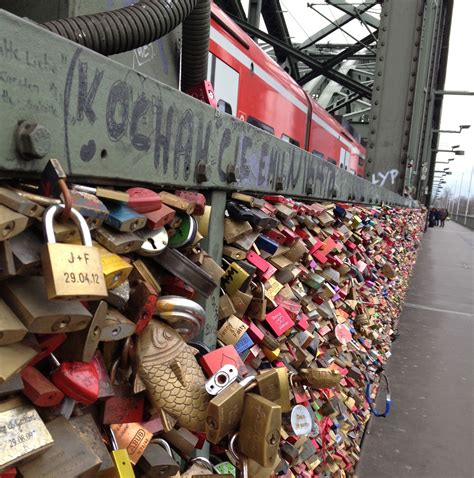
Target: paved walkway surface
[429,432]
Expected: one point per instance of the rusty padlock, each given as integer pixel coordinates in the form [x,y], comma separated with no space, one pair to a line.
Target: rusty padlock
[71,271]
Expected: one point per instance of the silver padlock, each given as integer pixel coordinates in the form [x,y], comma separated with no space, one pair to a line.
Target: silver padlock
[199,466]
[155,241]
[184,315]
[71,271]
[222,379]
[241,461]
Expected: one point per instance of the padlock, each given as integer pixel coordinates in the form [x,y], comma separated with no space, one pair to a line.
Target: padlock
[71,271]
[24,435]
[123,406]
[89,206]
[241,461]
[116,326]
[179,265]
[77,380]
[124,219]
[182,440]
[115,269]
[145,271]
[12,329]
[183,234]
[87,429]
[235,230]
[20,204]
[26,250]
[81,346]
[274,385]
[7,261]
[259,433]
[168,369]
[235,278]
[11,223]
[131,437]
[14,357]
[232,330]
[117,242]
[185,316]
[226,306]
[177,202]
[200,466]
[12,386]
[225,410]
[160,217]
[118,296]
[221,380]
[257,308]
[154,242]
[172,285]
[157,460]
[143,200]
[142,305]
[70,455]
[38,389]
[320,377]
[26,296]
[198,199]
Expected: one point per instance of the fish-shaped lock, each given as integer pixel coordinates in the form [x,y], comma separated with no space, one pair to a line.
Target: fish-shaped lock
[168,369]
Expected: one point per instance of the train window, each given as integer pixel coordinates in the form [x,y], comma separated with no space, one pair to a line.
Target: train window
[320,155]
[222,105]
[225,81]
[344,159]
[361,161]
[260,124]
[332,161]
[287,139]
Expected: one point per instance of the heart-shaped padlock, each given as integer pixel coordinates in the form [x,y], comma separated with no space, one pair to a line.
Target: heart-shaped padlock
[77,380]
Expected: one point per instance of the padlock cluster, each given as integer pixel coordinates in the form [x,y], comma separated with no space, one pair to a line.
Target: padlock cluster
[103,368]
[310,302]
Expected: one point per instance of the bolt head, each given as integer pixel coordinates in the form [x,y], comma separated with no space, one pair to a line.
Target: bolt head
[33,140]
[203,172]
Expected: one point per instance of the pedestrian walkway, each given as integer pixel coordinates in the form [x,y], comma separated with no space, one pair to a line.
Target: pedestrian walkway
[429,432]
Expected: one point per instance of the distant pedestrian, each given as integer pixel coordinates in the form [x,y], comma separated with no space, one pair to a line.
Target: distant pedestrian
[437,216]
[432,217]
[443,216]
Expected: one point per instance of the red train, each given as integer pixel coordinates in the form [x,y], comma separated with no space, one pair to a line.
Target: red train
[253,87]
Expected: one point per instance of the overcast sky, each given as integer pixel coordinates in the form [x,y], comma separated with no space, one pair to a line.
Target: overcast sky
[303,21]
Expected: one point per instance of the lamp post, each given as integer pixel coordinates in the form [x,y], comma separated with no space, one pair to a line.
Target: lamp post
[468,197]
[461,127]
[459,195]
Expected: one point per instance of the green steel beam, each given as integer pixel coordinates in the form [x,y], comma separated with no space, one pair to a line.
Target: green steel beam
[110,124]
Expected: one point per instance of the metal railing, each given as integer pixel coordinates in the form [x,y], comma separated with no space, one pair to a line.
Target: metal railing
[467,221]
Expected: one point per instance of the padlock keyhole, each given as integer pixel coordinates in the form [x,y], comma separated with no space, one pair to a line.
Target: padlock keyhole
[152,242]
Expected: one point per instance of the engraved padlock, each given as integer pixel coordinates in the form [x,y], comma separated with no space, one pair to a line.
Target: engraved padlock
[71,271]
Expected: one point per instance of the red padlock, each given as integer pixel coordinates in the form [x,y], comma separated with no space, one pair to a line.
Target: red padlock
[48,343]
[39,389]
[143,200]
[77,380]
[124,406]
[160,217]
[197,198]
[171,285]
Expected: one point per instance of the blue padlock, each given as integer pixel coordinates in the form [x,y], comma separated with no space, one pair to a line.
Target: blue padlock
[123,218]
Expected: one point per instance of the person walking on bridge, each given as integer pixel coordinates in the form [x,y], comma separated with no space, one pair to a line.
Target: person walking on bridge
[443,215]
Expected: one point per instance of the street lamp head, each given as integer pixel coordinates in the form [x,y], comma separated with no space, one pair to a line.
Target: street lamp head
[451,159]
[455,147]
[464,126]
[459,152]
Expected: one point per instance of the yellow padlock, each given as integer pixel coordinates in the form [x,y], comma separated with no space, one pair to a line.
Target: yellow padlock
[71,271]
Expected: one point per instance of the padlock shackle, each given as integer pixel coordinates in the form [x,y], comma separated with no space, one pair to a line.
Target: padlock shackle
[48,219]
[164,444]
